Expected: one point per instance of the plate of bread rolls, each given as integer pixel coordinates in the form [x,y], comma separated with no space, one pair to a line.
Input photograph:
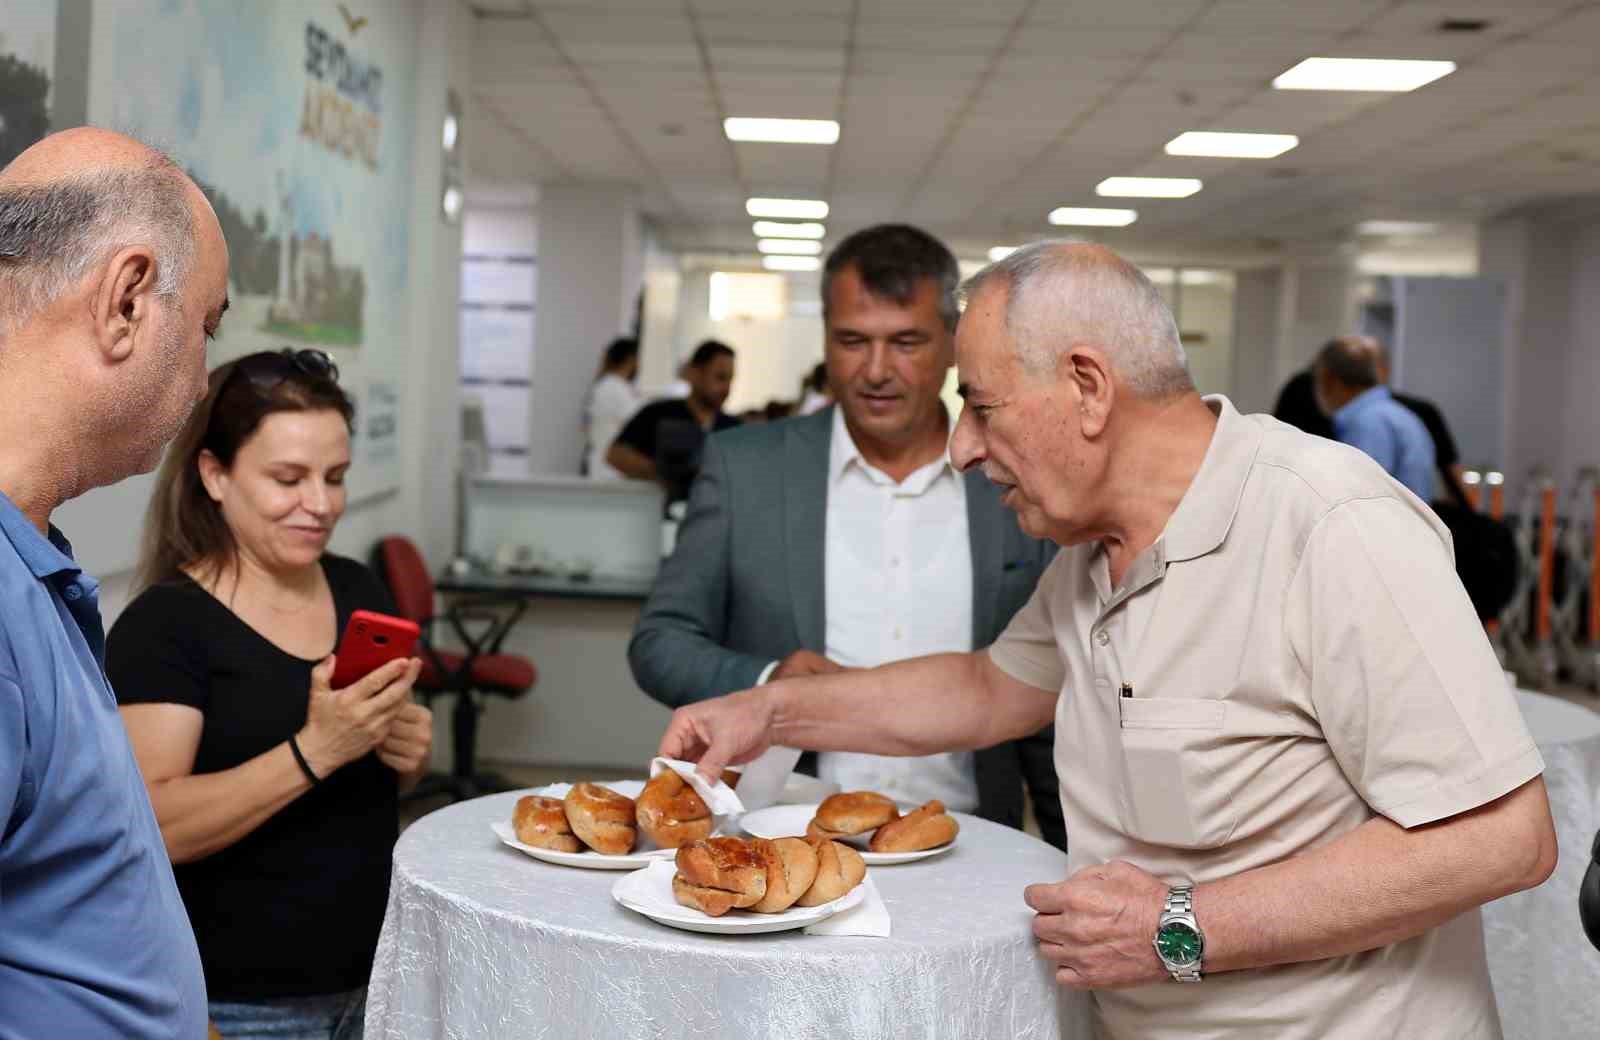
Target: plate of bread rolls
[619,825]
[882,831]
[727,885]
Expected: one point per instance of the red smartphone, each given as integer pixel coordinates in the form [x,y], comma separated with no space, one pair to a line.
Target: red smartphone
[371,640]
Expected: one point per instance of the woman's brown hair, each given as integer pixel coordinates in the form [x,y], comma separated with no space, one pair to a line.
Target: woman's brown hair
[183,527]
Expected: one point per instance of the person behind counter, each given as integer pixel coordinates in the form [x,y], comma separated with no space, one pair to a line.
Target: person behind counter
[613,399]
[662,441]
[277,795]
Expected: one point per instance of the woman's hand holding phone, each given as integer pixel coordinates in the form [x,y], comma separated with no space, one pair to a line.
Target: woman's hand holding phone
[343,725]
[410,739]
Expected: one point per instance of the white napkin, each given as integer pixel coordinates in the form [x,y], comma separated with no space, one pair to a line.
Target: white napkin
[719,797]
[763,779]
[868,917]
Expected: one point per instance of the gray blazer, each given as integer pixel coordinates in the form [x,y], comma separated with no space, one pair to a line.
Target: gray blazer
[744,588]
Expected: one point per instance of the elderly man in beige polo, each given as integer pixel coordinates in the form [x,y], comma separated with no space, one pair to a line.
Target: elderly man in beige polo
[1290,765]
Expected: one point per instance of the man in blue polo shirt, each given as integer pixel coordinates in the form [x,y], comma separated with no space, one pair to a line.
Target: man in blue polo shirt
[1365,414]
[113,272]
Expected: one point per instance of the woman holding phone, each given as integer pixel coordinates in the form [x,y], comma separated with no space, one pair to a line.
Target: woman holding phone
[276,793]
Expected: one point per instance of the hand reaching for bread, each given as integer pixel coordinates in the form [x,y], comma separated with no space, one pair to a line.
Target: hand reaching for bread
[764,876]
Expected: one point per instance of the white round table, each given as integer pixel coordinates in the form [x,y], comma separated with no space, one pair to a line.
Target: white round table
[1546,975]
[481,940]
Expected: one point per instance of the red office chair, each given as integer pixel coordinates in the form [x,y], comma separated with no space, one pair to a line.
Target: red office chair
[482,670]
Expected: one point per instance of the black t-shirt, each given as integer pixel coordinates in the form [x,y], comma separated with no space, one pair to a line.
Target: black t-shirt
[667,433]
[293,908]
[1297,406]
[1445,453]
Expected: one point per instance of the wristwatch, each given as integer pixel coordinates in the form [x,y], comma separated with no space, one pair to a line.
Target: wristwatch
[1179,942]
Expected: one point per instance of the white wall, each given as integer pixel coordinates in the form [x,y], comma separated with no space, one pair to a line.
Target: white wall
[773,355]
[590,270]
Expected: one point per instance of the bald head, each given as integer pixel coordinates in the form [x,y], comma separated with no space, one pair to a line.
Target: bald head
[81,150]
[1065,294]
[1352,360]
[72,200]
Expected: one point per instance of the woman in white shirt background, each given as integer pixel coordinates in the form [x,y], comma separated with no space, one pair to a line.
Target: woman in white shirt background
[612,401]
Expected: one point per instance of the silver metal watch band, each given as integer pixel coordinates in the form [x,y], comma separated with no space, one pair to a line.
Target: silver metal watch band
[1180,900]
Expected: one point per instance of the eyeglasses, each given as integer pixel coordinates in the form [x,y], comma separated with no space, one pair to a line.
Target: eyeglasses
[269,368]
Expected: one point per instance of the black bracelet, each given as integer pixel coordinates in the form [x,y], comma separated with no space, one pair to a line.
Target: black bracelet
[305,767]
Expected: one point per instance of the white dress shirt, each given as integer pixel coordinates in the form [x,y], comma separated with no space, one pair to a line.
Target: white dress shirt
[898,584]
[612,402]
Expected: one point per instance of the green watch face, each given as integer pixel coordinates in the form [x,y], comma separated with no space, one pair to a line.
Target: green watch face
[1178,943]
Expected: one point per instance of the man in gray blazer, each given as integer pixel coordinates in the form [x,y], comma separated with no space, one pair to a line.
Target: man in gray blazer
[834,540]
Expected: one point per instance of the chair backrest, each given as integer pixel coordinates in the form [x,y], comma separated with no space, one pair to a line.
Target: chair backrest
[406,573]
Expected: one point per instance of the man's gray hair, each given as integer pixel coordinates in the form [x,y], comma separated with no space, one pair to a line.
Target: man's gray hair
[1066,293]
[53,234]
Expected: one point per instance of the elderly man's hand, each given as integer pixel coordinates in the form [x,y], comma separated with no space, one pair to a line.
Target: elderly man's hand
[1097,926]
[718,733]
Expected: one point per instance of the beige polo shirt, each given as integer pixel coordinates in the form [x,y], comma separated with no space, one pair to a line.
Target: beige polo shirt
[1302,658]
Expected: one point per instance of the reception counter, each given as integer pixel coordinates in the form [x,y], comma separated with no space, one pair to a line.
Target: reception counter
[585,709]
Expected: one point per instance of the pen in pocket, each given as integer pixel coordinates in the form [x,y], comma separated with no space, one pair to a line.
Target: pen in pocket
[1127,689]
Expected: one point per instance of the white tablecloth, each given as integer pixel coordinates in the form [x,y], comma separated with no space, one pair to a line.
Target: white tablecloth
[481,941]
[1546,975]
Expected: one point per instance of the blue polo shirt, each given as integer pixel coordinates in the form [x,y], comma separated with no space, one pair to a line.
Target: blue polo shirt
[94,940]
[1392,434]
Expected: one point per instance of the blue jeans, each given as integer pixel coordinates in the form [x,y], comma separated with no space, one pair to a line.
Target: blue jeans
[336,1016]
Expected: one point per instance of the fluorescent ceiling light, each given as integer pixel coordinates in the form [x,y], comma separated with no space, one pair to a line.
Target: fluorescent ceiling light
[782,131]
[1148,187]
[1396,227]
[1362,74]
[790,263]
[1227,145]
[778,229]
[793,246]
[787,209]
[1093,216]
[999,253]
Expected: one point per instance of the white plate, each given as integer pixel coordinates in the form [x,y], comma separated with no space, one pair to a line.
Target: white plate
[649,892]
[786,821]
[644,851]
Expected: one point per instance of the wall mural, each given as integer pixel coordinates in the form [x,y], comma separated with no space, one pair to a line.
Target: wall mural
[296,118]
[27,54]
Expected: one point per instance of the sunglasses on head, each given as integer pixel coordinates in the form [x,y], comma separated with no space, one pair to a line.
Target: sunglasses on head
[269,368]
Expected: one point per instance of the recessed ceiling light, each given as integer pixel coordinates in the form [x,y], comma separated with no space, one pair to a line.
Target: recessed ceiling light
[1396,227]
[790,263]
[1148,187]
[782,131]
[778,229]
[1227,145]
[1385,74]
[787,209]
[999,253]
[1093,216]
[794,246]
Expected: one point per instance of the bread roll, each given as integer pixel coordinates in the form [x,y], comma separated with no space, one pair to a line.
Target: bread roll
[855,812]
[729,865]
[542,823]
[815,830]
[839,869]
[670,813]
[601,818]
[713,902]
[791,868]
[925,828]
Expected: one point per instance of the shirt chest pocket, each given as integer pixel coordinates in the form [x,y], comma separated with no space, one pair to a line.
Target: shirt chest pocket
[1174,791]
